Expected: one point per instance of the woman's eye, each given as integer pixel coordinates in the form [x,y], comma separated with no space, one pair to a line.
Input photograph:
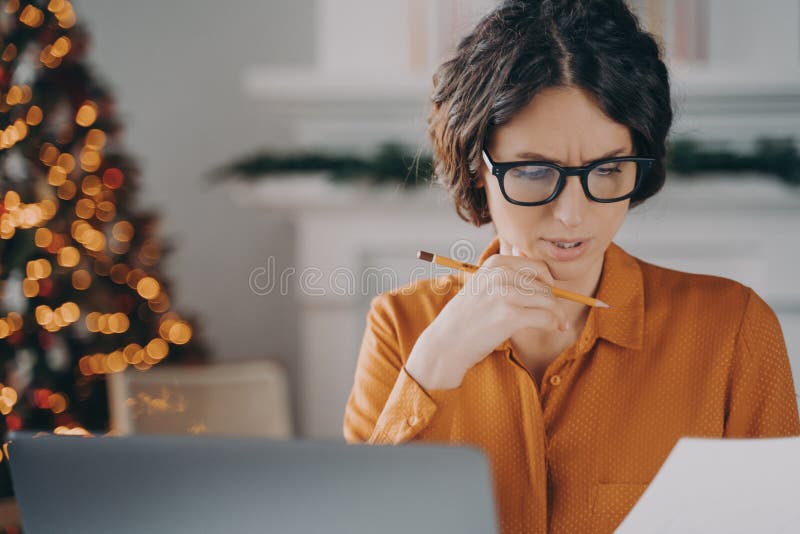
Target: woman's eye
[608,170]
[527,174]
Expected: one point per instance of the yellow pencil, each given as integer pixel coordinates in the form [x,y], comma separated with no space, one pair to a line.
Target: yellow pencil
[468,267]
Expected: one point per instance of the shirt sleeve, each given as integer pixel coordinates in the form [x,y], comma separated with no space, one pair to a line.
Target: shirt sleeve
[386,404]
[762,400]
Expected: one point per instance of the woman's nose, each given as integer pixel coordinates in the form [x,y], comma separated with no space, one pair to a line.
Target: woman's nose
[571,203]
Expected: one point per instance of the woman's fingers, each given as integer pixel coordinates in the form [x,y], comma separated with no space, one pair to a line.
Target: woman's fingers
[525,284]
[540,318]
[535,269]
[548,303]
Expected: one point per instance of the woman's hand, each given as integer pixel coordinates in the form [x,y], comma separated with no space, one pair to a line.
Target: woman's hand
[504,295]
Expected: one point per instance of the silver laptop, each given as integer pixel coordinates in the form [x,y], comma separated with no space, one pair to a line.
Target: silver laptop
[190,484]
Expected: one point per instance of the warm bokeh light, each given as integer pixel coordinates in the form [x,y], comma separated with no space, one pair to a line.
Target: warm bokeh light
[112,178]
[87,114]
[91,185]
[66,162]
[44,314]
[12,6]
[43,237]
[58,402]
[70,312]
[34,116]
[9,52]
[61,46]
[95,139]
[90,159]
[31,16]
[157,349]
[160,304]
[148,287]
[180,333]
[30,288]
[14,95]
[49,154]
[122,231]
[84,208]
[81,279]
[67,190]
[10,324]
[8,398]
[151,252]
[57,175]
[118,323]
[119,273]
[69,257]
[105,211]
[38,269]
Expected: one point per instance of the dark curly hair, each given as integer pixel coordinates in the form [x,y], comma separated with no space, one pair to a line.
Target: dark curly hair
[524,46]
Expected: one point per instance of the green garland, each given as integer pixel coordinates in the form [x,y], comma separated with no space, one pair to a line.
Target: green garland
[394,164]
[774,156]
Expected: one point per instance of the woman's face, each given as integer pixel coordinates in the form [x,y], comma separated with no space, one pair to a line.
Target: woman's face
[562,125]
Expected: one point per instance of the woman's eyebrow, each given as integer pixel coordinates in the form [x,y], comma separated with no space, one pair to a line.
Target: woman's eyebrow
[533,156]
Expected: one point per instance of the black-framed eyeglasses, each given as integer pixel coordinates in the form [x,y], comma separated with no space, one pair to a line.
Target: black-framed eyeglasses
[533,183]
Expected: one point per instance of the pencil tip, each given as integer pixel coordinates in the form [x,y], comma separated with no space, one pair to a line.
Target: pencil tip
[422,255]
[601,304]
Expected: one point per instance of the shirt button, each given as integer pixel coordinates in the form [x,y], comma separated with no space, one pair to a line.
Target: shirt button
[412,420]
[555,380]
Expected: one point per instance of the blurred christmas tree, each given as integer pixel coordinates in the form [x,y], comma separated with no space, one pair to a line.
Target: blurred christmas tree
[81,291]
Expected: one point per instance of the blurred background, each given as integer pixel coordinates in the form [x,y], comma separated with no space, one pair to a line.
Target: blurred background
[272,143]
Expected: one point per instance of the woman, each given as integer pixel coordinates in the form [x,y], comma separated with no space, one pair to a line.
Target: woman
[576,408]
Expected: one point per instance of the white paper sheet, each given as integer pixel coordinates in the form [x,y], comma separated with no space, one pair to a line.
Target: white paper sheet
[728,486]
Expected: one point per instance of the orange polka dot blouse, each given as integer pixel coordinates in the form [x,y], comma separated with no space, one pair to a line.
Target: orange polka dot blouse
[679,354]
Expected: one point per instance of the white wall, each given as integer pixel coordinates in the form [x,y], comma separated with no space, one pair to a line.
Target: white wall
[175,67]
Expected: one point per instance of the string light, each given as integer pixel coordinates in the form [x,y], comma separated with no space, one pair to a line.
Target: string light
[69,257]
[34,116]
[61,47]
[9,324]
[95,139]
[14,95]
[9,52]
[122,231]
[113,178]
[20,215]
[8,398]
[31,16]
[81,279]
[87,114]
[53,320]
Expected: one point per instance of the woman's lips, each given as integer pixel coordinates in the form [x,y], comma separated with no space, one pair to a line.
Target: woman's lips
[566,239]
[565,254]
